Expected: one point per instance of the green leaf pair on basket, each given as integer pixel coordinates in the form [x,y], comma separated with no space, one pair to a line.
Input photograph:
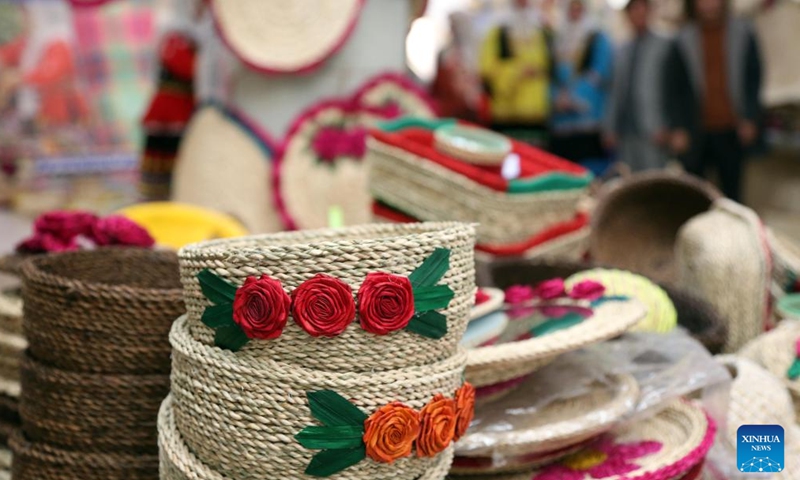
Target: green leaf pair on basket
[325,306]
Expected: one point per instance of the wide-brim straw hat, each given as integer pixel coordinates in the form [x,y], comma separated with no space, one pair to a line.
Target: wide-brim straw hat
[103,311]
[723,256]
[280,37]
[671,444]
[514,434]
[225,163]
[699,318]
[776,350]
[636,221]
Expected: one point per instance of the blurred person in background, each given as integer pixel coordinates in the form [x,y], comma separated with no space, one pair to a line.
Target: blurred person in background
[583,71]
[714,87]
[516,65]
[635,123]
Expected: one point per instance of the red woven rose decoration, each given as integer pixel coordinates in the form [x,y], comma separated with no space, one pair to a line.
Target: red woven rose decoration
[118,230]
[385,303]
[323,306]
[65,225]
[261,307]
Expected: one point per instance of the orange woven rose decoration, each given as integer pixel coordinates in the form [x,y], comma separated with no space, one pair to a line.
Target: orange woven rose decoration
[465,409]
[437,426]
[323,306]
[261,307]
[385,303]
[389,433]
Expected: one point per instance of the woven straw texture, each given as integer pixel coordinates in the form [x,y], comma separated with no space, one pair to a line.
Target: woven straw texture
[428,191]
[12,264]
[238,413]
[91,412]
[786,261]
[775,351]
[225,166]
[556,427]
[717,247]
[102,311]
[36,461]
[285,36]
[684,432]
[497,363]
[571,247]
[700,318]
[661,315]
[348,254]
[636,221]
[10,312]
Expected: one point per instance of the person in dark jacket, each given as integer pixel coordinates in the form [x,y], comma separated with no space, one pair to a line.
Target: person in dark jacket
[713,92]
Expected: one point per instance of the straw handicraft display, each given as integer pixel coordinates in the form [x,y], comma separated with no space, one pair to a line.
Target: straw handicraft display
[786,260]
[777,351]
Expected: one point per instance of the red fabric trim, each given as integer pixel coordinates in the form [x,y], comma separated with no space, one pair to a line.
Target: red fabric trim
[302,70]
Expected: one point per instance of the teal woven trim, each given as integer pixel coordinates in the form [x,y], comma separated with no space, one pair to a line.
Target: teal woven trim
[414,122]
[549,182]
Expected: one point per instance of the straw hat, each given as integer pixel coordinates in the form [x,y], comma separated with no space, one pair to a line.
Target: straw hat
[280,37]
[516,433]
[729,242]
[654,205]
[225,164]
[664,447]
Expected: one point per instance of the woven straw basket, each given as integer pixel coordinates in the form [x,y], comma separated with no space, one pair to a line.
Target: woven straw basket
[723,256]
[775,351]
[683,430]
[102,311]
[636,221]
[552,431]
[428,191]
[237,413]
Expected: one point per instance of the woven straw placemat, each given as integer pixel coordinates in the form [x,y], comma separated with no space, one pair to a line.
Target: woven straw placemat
[498,363]
[775,351]
[683,431]
[552,431]
[347,254]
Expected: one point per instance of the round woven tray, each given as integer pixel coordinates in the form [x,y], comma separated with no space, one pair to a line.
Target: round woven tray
[348,254]
[238,414]
[91,412]
[683,430]
[37,461]
[700,318]
[497,363]
[553,431]
[775,351]
[636,221]
[102,311]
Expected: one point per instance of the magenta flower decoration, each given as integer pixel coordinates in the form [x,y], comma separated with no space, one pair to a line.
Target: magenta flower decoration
[587,290]
[604,459]
[331,143]
[550,289]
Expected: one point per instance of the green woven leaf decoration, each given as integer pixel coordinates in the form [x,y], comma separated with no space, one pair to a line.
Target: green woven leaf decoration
[328,462]
[322,438]
[429,324]
[432,269]
[794,370]
[432,298]
[215,316]
[230,337]
[215,288]
[334,410]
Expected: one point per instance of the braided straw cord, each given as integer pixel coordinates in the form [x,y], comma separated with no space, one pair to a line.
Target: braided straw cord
[239,414]
[498,363]
[38,461]
[559,425]
[722,256]
[179,463]
[348,254]
[102,311]
[775,351]
[425,190]
[686,435]
[91,412]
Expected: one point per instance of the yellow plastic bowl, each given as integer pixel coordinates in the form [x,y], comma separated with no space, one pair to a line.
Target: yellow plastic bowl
[178,224]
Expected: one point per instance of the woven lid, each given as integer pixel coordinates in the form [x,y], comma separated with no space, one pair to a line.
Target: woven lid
[286,37]
[225,164]
[636,221]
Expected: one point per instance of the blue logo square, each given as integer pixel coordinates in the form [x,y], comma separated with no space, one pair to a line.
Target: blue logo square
[759,449]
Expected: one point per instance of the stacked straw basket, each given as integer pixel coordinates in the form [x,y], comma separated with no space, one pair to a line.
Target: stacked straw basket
[97,366]
[237,412]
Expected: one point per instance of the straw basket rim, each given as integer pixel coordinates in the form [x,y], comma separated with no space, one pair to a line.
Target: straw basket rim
[609,320]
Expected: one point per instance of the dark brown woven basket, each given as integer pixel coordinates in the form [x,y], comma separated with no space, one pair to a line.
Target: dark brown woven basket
[636,221]
[35,461]
[700,318]
[505,273]
[91,412]
[102,311]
